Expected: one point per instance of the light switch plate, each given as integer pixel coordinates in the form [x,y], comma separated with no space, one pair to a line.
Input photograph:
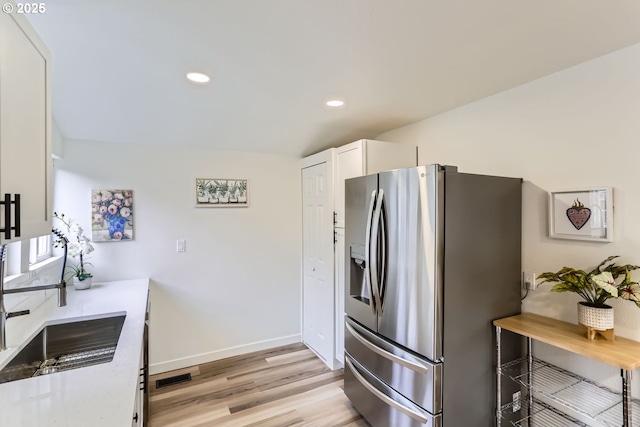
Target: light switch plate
[181,246]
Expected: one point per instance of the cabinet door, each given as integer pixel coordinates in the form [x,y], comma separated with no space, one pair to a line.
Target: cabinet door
[138,406]
[25,124]
[317,247]
[366,157]
[340,293]
[349,164]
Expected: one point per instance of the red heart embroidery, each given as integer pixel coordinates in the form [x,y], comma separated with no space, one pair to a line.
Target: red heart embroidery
[578,215]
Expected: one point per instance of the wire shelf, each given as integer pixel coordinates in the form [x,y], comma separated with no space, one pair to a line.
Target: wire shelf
[613,416]
[570,391]
[539,414]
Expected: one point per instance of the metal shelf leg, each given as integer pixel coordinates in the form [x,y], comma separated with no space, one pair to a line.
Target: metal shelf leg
[529,375]
[626,398]
[498,377]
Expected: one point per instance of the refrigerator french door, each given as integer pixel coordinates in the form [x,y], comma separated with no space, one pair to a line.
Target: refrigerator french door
[395,226]
[422,244]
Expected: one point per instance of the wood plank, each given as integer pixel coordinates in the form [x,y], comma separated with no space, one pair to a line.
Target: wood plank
[189,415]
[283,387]
[191,390]
[621,353]
[259,397]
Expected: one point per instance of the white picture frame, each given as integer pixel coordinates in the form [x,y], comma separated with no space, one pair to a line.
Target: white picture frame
[585,214]
[221,193]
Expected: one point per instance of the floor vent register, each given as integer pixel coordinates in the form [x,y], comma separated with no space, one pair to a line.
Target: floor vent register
[173,380]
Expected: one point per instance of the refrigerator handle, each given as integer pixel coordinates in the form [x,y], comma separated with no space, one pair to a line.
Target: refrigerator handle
[375,252]
[382,277]
[366,341]
[367,252]
[386,399]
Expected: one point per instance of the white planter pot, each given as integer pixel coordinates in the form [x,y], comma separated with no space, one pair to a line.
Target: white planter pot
[598,318]
[82,284]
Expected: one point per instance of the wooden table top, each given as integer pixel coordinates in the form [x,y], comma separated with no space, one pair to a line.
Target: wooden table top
[622,353]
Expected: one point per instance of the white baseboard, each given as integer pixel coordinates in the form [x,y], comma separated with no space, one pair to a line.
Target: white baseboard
[185,362]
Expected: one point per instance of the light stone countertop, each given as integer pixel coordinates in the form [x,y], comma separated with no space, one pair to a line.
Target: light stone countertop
[98,396]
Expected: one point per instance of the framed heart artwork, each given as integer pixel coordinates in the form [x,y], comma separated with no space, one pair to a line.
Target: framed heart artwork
[582,214]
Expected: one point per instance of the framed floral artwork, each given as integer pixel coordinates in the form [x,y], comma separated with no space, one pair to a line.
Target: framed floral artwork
[112,215]
[221,193]
[582,214]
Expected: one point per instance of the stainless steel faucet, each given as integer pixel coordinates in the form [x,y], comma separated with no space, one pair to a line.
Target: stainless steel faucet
[61,286]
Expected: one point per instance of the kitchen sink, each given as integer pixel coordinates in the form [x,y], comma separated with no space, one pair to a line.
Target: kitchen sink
[65,346]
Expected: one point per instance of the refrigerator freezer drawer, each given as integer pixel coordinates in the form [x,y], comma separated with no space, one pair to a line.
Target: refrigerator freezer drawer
[380,404]
[416,378]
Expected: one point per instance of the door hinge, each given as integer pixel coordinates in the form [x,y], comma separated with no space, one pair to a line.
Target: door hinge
[335,217]
[335,237]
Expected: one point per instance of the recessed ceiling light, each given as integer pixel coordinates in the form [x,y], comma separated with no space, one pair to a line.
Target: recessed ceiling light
[335,103]
[198,77]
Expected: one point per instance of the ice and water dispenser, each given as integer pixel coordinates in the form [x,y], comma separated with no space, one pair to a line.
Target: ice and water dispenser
[358,288]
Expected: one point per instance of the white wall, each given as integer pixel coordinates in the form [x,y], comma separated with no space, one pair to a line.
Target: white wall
[57,142]
[237,286]
[574,129]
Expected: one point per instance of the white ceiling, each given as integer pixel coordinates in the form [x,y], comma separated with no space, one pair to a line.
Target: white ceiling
[119,65]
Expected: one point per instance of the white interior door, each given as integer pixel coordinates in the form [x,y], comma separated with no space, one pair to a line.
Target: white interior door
[318,291]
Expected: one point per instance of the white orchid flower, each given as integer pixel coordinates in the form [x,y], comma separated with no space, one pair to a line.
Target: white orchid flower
[74,249]
[88,247]
[76,230]
[605,281]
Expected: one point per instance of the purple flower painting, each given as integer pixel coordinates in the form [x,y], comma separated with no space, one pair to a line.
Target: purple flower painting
[112,215]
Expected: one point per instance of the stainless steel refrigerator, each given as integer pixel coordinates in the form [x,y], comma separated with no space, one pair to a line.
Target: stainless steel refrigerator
[434,256]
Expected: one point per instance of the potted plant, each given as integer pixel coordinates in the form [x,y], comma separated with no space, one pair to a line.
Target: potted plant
[596,287]
[79,246]
[233,192]
[203,191]
[212,193]
[223,189]
[242,192]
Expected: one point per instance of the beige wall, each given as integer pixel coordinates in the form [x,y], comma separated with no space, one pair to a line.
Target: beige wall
[237,287]
[575,129]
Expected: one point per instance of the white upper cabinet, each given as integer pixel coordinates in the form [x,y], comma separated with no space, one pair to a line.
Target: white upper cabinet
[365,157]
[25,130]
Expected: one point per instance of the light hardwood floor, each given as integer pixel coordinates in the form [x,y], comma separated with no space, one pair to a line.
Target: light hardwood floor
[282,387]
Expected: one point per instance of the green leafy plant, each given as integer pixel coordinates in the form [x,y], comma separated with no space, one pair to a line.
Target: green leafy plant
[223,188]
[597,285]
[79,246]
[242,188]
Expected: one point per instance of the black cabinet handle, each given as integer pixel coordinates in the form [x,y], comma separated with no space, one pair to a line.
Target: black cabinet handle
[7,216]
[17,212]
[7,202]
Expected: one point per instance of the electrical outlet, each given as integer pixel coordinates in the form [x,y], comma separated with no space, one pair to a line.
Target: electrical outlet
[515,399]
[529,280]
